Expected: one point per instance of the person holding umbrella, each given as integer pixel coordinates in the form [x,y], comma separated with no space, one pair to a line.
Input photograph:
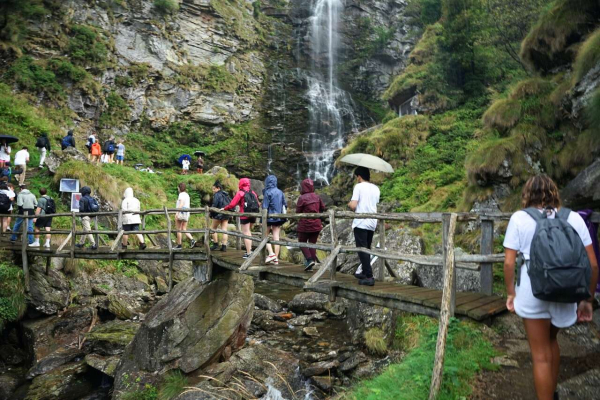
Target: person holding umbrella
[365,198]
[5,149]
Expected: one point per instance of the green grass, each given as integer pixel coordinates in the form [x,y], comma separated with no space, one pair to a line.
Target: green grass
[166,6]
[149,392]
[467,352]
[587,56]
[375,341]
[88,46]
[117,111]
[173,384]
[12,293]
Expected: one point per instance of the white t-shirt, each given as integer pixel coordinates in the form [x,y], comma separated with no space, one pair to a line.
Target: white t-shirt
[10,194]
[521,229]
[5,153]
[367,196]
[21,157]
[183,201]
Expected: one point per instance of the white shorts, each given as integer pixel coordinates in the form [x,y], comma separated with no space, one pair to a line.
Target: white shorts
[562,315]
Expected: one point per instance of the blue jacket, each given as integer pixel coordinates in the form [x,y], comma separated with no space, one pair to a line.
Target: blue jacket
[274,200]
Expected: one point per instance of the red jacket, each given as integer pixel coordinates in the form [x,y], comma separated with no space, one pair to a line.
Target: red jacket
[309,202]
[238,200]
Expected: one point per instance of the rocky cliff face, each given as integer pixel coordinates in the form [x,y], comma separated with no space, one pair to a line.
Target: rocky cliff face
[213,63]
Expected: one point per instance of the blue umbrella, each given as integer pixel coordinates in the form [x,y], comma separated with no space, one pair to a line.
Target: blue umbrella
[184,157]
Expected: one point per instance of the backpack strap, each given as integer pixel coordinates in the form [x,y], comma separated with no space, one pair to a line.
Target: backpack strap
[535,214]
[563,213]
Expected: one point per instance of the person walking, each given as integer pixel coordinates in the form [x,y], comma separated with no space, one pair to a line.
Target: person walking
[109,149]
[4,153]
[182,217]
[90,141]
[200,165]
[543,319]
[45,205]
[7,197]
[21,160]
[120,152]
[26,204]
[68,141]
[274,202]
[87,204]
[96,152]
[43,146]
[131,218]
[309,229]
[219,221]
[247,200]
[365,198]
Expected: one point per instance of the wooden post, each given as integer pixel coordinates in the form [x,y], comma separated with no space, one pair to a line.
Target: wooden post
[334,245]
[96,236]
[381,272]
[170,246]
[264,231]
[144,228]
[445,237]
[24,243]
[238,228]
[447,305]
[74,236]
[208,274]
[486,276]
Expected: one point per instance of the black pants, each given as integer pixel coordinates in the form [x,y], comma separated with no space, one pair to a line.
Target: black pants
[364,238]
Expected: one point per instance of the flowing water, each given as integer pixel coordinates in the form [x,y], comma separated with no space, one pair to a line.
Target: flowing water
[331,109]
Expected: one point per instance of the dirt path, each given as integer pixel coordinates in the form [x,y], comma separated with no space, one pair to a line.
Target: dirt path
[580,357]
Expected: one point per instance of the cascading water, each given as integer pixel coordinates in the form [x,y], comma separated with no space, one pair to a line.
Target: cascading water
[330,108]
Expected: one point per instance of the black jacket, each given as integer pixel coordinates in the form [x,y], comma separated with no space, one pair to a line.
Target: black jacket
[220,200]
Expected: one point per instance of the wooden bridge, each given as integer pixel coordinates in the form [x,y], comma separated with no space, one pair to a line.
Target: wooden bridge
[478,306]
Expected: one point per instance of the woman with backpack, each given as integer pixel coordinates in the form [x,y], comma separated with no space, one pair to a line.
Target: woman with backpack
[309,229]
[553,288]
[274,202]
[248,202]
[109,149]
[219,221]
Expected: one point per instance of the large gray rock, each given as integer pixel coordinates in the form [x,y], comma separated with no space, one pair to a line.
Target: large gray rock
[265,303]
[192,326]
[584,190]
[361,317]
[54,360]
[584,386]
[68,382]
[111,338]
[48,293]
[307,301]
[58,157]
[104,364]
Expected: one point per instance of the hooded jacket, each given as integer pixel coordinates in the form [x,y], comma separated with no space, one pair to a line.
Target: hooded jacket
[220,200]
[96,149]
[43,142]
[309,202]
[238,200]
[68,141]
[84,201]
[130,203]
[273,200]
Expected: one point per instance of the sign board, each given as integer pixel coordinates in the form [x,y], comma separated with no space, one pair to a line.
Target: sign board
[75,198]
[69,185]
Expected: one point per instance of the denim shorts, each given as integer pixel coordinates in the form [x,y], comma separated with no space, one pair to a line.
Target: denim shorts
[120,158]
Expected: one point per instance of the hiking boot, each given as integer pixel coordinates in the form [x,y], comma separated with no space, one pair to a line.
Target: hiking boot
[360,276]
[246,255]
[79,245]
[367,281]
[94,247]
[214,247]
[271,259]
[308,265]
[178,247]
[192,243]
[143,246]
[223,247]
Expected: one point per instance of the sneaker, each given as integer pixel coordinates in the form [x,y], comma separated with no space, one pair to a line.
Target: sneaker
[124,246]
[178,247]
[94,247]
[47,245]
[271,259]
[223,247]
[276,261]
[308,265]
[214,247]
[192,243]
[8,229]
[367,281]
[35,244]
[246,255]
[79,245]
[143,246]
[360,276]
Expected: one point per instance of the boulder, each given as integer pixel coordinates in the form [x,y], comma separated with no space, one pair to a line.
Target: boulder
[191,327]
[265,321]
[584,191]
[56,158]
[123,306]
[55,360]
[584,386]
[319,368]
[322,382]
[50,293]
[9,382]
[265,303]
[361,317]
[433,276]
[106,365]
[111,338]
[67,382]
[352,362]
[307,301]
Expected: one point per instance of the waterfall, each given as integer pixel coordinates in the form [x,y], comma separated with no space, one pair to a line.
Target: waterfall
[330,108]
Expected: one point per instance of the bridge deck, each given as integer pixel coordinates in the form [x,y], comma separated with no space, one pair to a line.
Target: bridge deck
[389,294]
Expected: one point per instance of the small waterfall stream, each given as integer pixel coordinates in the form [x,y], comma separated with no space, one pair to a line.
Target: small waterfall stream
[330,108]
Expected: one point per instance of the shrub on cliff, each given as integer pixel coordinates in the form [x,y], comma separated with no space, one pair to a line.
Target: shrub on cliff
[167,6]
[12,294]
[588,56]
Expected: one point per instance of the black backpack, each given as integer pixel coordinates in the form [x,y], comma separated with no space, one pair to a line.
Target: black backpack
[93,204]
[4,203]
[50,206]
[559,268]
[250,202]
[40,143]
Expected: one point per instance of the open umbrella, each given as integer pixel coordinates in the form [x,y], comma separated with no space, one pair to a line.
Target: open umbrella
[367,161]
[199,153]
[8,139]
[184,157]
